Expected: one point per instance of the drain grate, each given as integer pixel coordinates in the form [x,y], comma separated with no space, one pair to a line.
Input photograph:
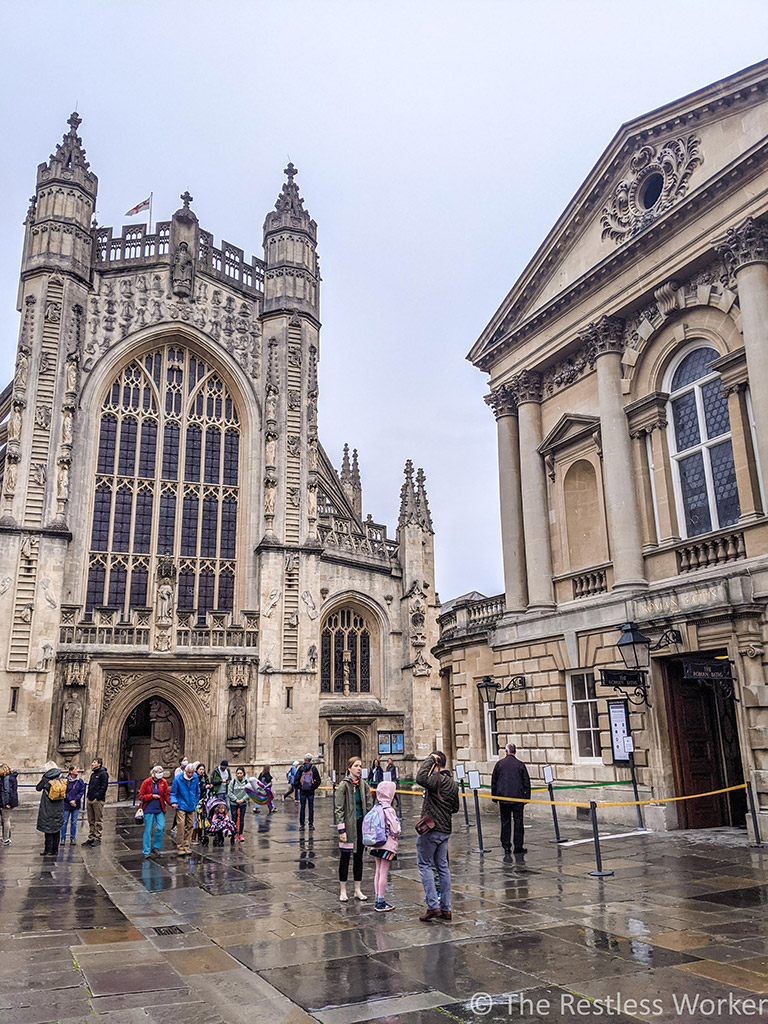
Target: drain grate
[170,929]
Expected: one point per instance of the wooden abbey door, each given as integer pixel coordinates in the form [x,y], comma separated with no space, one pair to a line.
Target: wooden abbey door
[696,744]
[346,745]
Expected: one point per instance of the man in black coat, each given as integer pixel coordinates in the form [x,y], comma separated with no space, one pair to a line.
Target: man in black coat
[510,778]
[94,801]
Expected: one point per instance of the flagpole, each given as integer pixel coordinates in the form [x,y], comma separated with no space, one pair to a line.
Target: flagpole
[150,212]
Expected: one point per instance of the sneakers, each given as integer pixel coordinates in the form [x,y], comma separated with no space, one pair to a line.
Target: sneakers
[7,842]
[88,842]
[431,915]
[311,828]
[382,906]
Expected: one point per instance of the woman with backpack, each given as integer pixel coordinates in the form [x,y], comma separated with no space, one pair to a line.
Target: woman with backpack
[50,817]
[386,851]
[9,798]
[353,801]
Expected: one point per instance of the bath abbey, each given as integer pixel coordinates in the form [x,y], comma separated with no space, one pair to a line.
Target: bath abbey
[183,568]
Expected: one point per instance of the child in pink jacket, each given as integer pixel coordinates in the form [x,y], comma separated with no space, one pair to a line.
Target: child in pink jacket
[387,851]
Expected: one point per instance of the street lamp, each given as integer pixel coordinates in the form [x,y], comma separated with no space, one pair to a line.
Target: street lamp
[634,647]
[489,688]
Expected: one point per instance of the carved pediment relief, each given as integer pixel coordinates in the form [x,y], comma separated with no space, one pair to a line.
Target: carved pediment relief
[570,429]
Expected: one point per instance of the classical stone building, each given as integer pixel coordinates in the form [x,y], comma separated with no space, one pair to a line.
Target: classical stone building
[628,375]
[181,567]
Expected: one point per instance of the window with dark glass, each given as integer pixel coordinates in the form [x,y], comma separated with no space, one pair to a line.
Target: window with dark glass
[345,653]
[167,470]
[700,445]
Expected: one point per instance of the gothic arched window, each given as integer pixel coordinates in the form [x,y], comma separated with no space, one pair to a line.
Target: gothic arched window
[345,653]
[700,444]
[167,474]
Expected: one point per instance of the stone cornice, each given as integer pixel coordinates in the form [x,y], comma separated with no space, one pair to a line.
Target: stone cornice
[733,370]
[744,244]
[648,413]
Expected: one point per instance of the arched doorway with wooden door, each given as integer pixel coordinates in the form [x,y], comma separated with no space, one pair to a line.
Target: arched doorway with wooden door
[346,745]
[153,734]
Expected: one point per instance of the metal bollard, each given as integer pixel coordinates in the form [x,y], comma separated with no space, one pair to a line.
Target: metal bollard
[758,843]
[135,784]
[333,804]
[464,801]
[638,808]
[599,873]
[554,814]
[479,826]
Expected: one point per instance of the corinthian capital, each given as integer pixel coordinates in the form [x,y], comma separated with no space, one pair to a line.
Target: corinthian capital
[526,386]
[605,335]
[745,244]
[502,401]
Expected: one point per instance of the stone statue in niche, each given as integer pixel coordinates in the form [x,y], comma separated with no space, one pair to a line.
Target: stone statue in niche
[236,716]
[72,362]
[312,657]
[271,405]
[164,602]
[270,494]
[71,720]
[22,368]
[67,414]
[11,473]
[183,271]
[312,502]
[62,480]
[14,424]
[270,449]
[312,453]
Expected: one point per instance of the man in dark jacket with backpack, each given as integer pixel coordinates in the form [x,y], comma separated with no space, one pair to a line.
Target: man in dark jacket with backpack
[94,800]
[510,778]
[306,782]
[50,815]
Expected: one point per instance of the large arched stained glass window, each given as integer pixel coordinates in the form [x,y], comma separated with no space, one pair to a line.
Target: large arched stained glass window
[167,476]
[345,653]
[700,445]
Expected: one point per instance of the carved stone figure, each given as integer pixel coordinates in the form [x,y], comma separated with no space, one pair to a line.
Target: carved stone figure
[274,597]
[164,602]
[5,583]
[14,424]
[39,473]
[66,425]
[271,405]
[308,600]
[22,368]
[71,720]
[312,502]
[270,495]
[11,473]
[312,657]
[183,271]
[46,657]
[72,374]
[312,454]
[290,561]
[62,480]
[26,612]
[236,716]
[270,449]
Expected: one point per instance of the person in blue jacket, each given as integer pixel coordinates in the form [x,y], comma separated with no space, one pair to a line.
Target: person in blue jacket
[185,793]
[73,801]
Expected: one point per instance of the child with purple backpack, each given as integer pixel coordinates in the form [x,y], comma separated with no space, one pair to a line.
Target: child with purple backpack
[386,851]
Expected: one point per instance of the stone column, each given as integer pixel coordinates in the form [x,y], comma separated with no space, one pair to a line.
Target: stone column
[647,419]
[526,389]
[502,401]
[607,336]
[745,251]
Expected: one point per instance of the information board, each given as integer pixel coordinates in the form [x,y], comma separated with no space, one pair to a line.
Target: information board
[474,780]
[548,774]
[618,716]
[460,772]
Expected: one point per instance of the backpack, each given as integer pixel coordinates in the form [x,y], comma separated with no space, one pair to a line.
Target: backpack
[57,789]
[374,827]
[306,780]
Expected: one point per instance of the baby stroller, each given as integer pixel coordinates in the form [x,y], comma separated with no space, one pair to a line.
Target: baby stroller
[217,820]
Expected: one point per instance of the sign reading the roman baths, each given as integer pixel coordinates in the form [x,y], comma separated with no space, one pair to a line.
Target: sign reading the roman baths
[682,600]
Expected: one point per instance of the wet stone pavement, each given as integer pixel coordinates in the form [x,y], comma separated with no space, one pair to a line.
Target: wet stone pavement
[256,932]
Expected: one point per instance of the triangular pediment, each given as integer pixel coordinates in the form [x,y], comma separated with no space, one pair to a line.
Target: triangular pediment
[569,429]
[657,167]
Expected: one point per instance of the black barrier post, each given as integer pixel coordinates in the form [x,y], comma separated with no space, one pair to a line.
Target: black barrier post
[479,826]
[758,843]
[554,813]
[638,808]
[134,792]
[333,803]
[464,801]
[599,873]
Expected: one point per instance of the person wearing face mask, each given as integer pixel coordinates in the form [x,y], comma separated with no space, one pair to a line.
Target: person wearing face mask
[154,799]
[353,801]
[185,793]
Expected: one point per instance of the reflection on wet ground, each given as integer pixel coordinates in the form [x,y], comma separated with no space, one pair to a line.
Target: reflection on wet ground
[255,932]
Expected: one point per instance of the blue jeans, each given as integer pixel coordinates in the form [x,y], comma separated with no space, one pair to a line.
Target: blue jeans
[306,798]
[158,820]
[432,848]
[70,815]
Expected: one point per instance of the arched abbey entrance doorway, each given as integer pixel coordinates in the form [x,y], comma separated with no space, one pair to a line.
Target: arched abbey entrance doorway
[153,734]
[346,745]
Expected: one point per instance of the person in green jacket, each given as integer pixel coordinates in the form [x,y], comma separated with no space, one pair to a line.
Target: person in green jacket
[353,801]
[238,803]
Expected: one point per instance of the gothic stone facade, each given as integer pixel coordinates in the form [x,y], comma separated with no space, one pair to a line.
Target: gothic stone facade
[181,567]
[628,376]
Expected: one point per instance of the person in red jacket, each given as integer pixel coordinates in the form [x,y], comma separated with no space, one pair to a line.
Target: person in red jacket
[154,799]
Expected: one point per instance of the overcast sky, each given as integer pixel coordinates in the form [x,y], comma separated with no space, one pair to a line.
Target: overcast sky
[437,143]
